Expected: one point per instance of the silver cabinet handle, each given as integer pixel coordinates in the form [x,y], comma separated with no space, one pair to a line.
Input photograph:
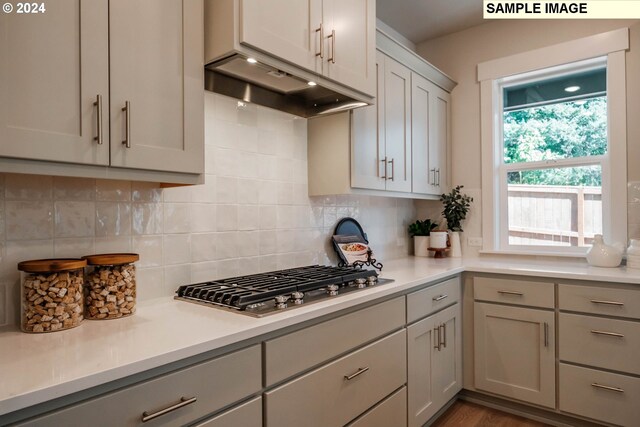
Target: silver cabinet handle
[606,387]
[332,58]
[436,330]
[357,373]
[433,171]
[127,124]
[616,303]
[546,334]
[444,335]
[384,163]
[393,173]
[609,334]
[321,31]
[438,180]
[184,401]
[440,297]
[98,105]
[511,293]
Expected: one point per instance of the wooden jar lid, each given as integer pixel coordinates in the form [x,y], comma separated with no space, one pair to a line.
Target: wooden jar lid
[111,259]
[51,265]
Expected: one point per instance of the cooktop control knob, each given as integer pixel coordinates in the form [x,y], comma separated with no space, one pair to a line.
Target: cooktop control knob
[332,290]
[362,283]
[281,301]
[297,297]
[372,280]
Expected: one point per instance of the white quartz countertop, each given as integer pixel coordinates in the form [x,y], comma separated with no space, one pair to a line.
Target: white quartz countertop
[37,368]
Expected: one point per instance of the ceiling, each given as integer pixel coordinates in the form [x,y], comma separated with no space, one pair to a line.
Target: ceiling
[419,20]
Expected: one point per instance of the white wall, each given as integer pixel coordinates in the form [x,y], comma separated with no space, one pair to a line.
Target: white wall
[458,55]
[253,214]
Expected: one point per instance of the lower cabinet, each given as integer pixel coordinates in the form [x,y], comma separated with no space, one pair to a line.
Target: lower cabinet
[514,352]
[248,414]
[340,391]
[392,411]
[434,358]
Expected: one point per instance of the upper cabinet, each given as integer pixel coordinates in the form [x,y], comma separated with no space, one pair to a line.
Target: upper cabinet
[397,147]
[54,83]
[110,88]
[328,39]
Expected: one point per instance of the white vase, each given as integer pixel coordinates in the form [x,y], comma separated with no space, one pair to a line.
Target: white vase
[439,239]
[421,245]
[603,255]
[633,254]
[454,241]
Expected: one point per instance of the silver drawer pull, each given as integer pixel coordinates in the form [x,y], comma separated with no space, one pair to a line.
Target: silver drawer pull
[440,297]
[546,334]
[511,293]
[127,124]
[606,387]
[609,334]
[358,372]
[98,105]
[599,301]
[438,342]
[184,401]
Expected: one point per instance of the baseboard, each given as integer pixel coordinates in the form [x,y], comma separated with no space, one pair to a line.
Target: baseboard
[441,411]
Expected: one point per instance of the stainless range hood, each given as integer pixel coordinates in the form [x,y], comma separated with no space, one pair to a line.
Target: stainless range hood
[262,84]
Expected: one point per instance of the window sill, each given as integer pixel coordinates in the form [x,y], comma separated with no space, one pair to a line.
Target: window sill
[535,253]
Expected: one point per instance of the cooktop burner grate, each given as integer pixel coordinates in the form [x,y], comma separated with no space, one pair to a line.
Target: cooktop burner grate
[265,292]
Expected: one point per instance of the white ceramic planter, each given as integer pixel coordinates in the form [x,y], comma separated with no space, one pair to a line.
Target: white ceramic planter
[603,255]
[454,240]
[421,245]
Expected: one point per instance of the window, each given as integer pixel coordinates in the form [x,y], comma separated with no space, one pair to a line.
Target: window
[554,147]
[554,140]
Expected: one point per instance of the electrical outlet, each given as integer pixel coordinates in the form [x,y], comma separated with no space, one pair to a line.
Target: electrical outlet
[475,241]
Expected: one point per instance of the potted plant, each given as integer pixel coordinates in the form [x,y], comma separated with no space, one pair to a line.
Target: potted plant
[420,231]
[456,206]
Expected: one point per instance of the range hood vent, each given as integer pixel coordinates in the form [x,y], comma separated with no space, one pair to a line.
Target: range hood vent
[264,85]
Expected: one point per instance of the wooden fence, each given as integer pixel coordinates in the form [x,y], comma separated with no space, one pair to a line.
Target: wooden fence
[554,215]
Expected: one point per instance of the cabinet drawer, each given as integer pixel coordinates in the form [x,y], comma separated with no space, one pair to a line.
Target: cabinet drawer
[248,414]
[390,412]
[215,384]
[599,300]
[604,343]
[293,353]
[509,291]
[325,397]
[603,396]
[429,300]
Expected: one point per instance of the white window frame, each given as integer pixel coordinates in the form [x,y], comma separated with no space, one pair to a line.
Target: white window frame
[493,75]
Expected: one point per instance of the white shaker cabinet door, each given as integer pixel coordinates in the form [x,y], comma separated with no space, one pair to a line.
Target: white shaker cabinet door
[397,120]
[421,346]
[447,377]
[157,95]
[289,29]
[439,136]
[53,69]
[349,27]
[367,139]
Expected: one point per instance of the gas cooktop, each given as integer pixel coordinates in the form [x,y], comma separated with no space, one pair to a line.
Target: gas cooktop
[266,293]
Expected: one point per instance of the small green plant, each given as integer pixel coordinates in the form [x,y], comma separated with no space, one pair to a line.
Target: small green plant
[456,207]
[422,228]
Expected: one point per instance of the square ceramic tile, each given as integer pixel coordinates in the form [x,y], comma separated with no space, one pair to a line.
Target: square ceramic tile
[177,194]
[248,243]
[301,194]
[268,263]
[268,242]
[223,134]
[74,219]
[75,247]
[205,193]
[28,220]
[248,191]
[268,167]
[176,276]
[285,241]
[4,304]
[285,216]
[23,250]
[148,192]
[249,265]
[267,141]
[113,219]
[226,108]
[203,247]
[228,268]
[633,192]
[150,283]
[177,218]
[227,217]
[316,217]
[227,162]
[210,159]
[286,145]
[248,165]
[113,190]
[28,187]
[247,114]
[204,271]
[248,217]
[65,188]
[203,217]
[176,249]
[284,169]
[105,245]
[330,216]
[146,218]
[268,217]
[226,245]
[227,189]
[150,249]
[268,193]
[286,261]
[247,138]
[300,172]
[285,193]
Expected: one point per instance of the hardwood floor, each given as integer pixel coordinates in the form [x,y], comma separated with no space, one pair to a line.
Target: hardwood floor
[467,414]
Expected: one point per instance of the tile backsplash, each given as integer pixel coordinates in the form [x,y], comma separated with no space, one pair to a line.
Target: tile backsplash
[252,214]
